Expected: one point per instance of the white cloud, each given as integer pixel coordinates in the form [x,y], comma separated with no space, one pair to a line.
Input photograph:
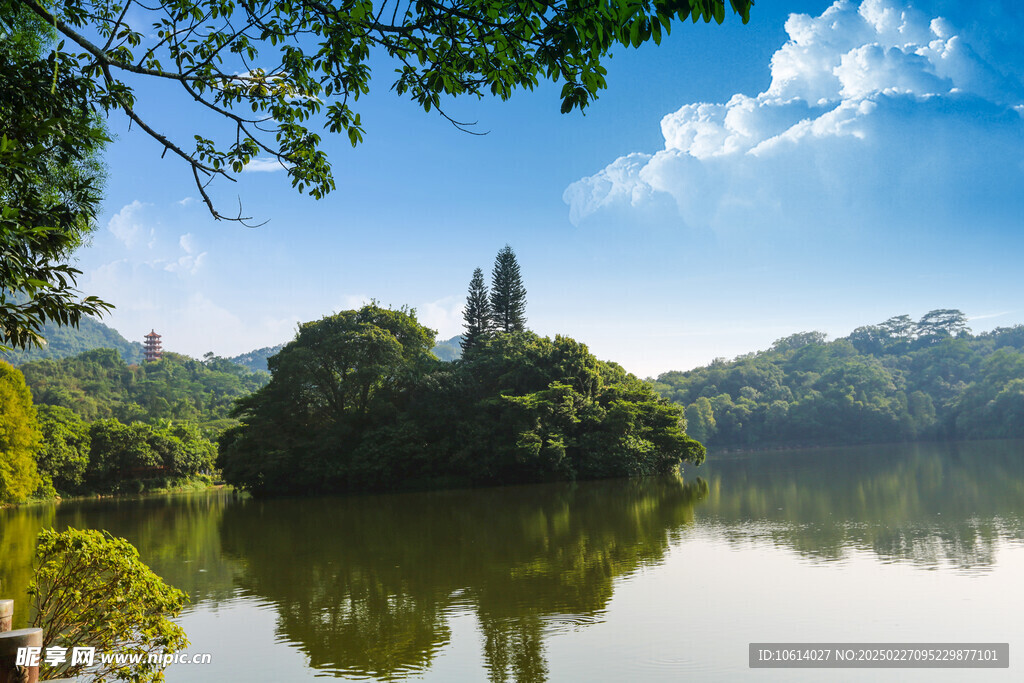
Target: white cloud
[618,182]
[875,105]
[987,316]
[443,315]
[187,243]
[127,224]
[263,165]
[190,262]
[186,201]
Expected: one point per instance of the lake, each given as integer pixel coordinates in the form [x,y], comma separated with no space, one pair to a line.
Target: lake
[661,579]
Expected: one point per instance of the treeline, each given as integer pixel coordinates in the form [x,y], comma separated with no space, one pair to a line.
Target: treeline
[357,402]
[105,456]
[898,380]
[99,384]
[51,450]
[94,424]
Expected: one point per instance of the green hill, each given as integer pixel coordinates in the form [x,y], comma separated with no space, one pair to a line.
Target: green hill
[257,360]
[898,380]
[63,342]
[450,349]
[100,384]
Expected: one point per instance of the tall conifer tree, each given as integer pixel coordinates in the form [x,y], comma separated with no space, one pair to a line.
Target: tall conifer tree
[477,312]
[508,296]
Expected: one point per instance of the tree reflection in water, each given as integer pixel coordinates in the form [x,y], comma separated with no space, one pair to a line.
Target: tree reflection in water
[933,505]
[365,585]
[371,586]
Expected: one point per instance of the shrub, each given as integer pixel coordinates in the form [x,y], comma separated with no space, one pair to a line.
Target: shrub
[92,590]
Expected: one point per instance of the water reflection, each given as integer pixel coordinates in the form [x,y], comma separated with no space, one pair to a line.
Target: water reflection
[372,586]
[177,535]
[929,504]
[366,585]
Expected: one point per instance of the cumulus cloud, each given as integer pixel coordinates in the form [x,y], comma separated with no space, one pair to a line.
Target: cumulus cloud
[190,261]
[128,226]
[871,105]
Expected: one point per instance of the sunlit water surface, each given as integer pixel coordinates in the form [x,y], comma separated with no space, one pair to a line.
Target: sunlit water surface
[656,579]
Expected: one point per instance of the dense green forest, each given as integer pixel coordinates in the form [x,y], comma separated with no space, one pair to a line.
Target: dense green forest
[898,380]
[100,384]
[48,449]
[93,423]
[358,402]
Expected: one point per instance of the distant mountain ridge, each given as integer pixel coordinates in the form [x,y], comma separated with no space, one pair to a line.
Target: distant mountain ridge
[257,360]
[450,349]
[65,342]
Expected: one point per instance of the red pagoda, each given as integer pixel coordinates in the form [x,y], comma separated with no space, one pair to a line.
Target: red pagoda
[152,346]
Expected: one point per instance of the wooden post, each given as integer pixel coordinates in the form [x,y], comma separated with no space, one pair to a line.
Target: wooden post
[10,672]
[6,615]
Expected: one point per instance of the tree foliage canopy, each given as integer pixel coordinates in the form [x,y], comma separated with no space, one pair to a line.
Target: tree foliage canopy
[109,426]
[508,295]
[520,408]
[90,589]
[270,68]
[50,181]
[19,437]
[99,384]
[64,455]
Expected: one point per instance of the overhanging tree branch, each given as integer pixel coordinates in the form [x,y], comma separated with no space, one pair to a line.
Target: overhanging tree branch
[443,49]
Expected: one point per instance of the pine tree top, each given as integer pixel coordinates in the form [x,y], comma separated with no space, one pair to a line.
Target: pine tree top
[508,295]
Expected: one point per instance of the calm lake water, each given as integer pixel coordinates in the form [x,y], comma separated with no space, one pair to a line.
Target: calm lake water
[655,579]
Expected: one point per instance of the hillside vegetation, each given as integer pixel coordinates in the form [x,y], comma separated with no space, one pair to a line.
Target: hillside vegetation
[99,384]
[64,342]
[898,380]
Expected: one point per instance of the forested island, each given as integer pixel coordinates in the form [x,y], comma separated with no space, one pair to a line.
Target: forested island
[898,380]
[358,402]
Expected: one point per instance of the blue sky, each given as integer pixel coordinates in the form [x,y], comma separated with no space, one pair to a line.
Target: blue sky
[821,170]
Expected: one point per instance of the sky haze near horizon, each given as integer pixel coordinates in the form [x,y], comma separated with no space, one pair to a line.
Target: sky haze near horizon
[824,167]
